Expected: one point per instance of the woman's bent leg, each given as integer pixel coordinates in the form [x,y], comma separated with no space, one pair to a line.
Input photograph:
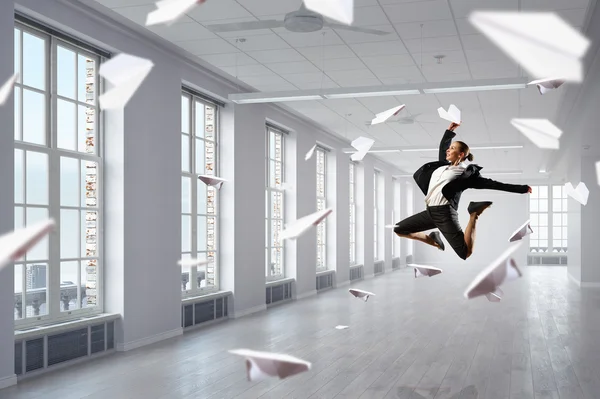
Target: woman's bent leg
[413,226]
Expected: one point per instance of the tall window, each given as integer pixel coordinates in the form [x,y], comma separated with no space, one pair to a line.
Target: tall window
[199,202]
[58,174]
[548,219]
[321,205]
[274,251]
[375,214]
[352,170]
[396,217]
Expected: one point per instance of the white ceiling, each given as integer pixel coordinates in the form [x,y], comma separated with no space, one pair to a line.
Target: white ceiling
[276,59]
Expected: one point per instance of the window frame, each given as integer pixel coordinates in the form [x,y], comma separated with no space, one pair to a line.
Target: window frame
[352,216]
[54,154]
[376,177]
[193,174]
[551,199]
[322,226]
[269,190]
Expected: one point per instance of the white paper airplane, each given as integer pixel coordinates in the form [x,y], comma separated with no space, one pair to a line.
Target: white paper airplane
[193,262]
[545,85]
[310,153]
[126,72]
[301,226]
[452,115]
[362,145]
[341,327]
[541,132]
[361,294]
[210,180]
[15,244]
[261,365]
[339,10]
[385,115]
[7,88]
[169,11]
[425,271]
[598,172]
[524,230]
[579,194]
[541,42]
[500,271]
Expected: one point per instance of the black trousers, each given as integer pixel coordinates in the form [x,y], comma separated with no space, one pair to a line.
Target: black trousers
[444,218]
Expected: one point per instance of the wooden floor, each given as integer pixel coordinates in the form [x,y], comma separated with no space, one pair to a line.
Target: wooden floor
[417,338]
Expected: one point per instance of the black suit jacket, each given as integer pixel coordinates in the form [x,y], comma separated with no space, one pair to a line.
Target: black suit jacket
[471,178]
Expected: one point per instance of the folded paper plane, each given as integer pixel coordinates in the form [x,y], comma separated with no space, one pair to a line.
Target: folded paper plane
[126,72]
[212,180]
[168,11]
[15,244]
[385,115]
[545,85]
[425,271]
[541,132]
[7,88]
[362,145]
[261,365]
[541,42]
[302,225]
[452,115]
[310,153]
[361,294]
[502,270]
[579,194]
[193,262]
[341,327]
[521,232]
[339,10]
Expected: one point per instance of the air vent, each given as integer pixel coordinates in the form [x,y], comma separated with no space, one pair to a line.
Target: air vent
[556,260]
[34,354]
[356,273]
[324,281]
[203,311]
[97,338]
[379,267]
[278,293]
[395,263]
[67,346]
[18,358]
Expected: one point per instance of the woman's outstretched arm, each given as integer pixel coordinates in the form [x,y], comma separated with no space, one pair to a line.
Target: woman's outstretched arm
[446,141]
[483,183]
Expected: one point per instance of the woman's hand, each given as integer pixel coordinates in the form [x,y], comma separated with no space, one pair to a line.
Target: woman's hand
[453,126]
[529,189]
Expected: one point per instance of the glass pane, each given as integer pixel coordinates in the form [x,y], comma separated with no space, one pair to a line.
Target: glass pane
[69,233]
[86,129]
[564,206]
[267,268]
[36,178]
[202,233]
[556,205]
[18,290]
[272,144]
[17,51]
[535,219]
[556,192]
[39,251]
[211,200]
[185,153]
[543,205]
[276,262]
[69,181]
[19,217]
[186,193]
[89,191]
[186,233]
[564,219]
[543,219]
[200,169]
[201,194]
[535,192]
[185,114]
[276,233]
[19,177]
[201,280]
[34,61]
[89,242]
[186,273]
[36,285]
[556,233]
[276,205]
[271,173]
[65,72]
[68,285]
[86,80]
[199,119]
[17,113]
[209,154]
[211,228]
[533,205]
[209,122]
[34,117]
[89,281]
[543,233]
[267,233]
[543,191]
[65,125]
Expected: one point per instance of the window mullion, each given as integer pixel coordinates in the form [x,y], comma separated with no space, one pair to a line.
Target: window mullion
[194,194]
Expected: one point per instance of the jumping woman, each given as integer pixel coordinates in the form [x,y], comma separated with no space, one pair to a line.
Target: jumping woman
[443,182]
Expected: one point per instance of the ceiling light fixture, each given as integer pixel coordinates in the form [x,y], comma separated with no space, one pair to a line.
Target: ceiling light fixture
[371,151]
[378,93]
[460,89]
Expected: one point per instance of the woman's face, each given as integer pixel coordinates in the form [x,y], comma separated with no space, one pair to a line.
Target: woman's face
[453,153]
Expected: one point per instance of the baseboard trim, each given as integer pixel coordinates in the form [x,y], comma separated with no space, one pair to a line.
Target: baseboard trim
[9,381]
[250,311]
[124,347]
[590,285]
[574,280]
[306,294]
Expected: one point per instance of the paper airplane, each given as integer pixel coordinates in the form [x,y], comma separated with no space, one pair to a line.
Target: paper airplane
[310,153]
[545,85]
[15,244]
[385,115]
[261,365]
[452,115]
[169,11]
[126,72]
[598,172]
[541,132]
[521,232]
[341,327]
[212,180]
[361,294]
[301,226]
[541,42]
[425,271]
[488,282]
[193,262]
[579,194]
[362,145]
[7,88]
[339,10]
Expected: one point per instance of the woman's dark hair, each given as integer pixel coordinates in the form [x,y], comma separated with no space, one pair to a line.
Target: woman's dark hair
[465,148]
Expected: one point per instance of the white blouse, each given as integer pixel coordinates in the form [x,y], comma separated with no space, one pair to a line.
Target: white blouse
[440,177]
